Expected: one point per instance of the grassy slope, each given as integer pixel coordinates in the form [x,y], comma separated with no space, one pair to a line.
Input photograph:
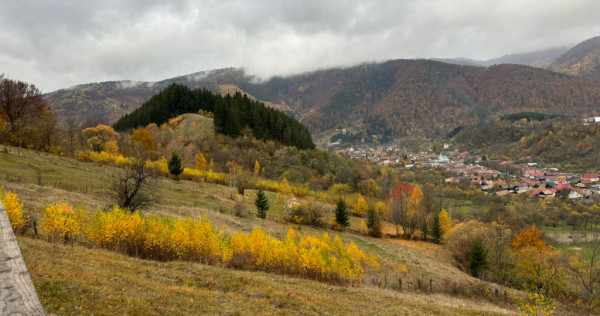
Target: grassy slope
[72,280]
[66,277]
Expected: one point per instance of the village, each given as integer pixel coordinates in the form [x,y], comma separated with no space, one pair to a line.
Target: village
[496,177]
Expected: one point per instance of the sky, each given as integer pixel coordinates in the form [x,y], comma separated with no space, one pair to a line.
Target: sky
[57,44]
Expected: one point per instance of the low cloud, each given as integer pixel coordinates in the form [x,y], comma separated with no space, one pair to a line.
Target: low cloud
[60,44]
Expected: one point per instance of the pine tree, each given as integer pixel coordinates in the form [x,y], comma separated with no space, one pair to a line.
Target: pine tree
[477,260]
[175,167]
[437,231]
[341,214]
[262,204]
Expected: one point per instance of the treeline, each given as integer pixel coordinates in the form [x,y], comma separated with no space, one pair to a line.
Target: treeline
[232,114]
[529,116]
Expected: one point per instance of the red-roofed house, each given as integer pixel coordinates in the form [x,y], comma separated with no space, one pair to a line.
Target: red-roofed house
[590,177]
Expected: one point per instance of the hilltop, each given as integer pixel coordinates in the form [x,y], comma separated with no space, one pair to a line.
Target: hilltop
[583,60]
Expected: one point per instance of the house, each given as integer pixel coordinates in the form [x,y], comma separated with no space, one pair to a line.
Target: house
[563,186]
[503,193]
[593,119]
[590,177]
[543,193]
[574,195]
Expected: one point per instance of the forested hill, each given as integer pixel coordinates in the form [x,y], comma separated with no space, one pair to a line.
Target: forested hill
[396,98]
[232,114]
[583,60]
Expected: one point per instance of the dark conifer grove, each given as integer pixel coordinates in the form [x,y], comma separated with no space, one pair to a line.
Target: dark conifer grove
[232,114]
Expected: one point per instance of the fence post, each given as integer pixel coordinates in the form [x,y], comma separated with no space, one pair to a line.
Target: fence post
[400,283]
[430,285]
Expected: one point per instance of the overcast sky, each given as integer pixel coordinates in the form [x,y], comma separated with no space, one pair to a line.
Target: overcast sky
[61,43]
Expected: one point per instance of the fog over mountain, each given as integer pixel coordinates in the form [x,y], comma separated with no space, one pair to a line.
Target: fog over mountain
[62,44]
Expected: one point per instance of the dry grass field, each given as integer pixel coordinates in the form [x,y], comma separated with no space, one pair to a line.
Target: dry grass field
[73,279]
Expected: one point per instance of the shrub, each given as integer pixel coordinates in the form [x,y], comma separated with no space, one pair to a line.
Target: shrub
[117,230]
[14,210]
[308,256]
[310,213]
[60,222]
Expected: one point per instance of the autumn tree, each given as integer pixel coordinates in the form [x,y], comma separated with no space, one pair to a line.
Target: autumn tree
[537,265]
[256,168]
[101,138]
[200,161]
[19,101]
[360,208]
[143,137]
[445,223]
[399,204]
[416,214]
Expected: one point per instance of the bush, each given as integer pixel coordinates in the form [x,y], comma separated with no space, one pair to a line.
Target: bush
[117,230]
[14,210]
[60,222]
[311,212]
[308,256]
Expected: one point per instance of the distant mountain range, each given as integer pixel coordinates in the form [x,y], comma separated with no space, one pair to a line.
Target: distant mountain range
[540,59]
[389,100]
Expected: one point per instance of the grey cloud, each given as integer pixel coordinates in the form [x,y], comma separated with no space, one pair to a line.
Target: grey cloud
[56,44]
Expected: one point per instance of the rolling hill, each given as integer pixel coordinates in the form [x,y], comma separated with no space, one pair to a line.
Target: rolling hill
[387,100]
[583,60]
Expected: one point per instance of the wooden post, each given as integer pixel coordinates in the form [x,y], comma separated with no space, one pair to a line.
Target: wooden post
[17,294]
[430,285]
[505,297]
[400,284]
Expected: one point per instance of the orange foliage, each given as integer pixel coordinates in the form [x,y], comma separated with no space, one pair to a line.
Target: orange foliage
[529,237]
[144,138]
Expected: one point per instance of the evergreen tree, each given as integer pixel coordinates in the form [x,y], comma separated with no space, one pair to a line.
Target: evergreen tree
[175,167]
[477,260]
[262,204]
[437,231]
[341,214]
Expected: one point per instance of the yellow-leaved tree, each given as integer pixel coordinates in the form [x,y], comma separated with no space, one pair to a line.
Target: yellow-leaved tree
[445,223]
[101,138]
[14,210]
[144,138]
[200,161]
[256,168]
[360,208]
[537,264]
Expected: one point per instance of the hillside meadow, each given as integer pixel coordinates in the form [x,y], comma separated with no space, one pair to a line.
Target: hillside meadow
[73,278]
